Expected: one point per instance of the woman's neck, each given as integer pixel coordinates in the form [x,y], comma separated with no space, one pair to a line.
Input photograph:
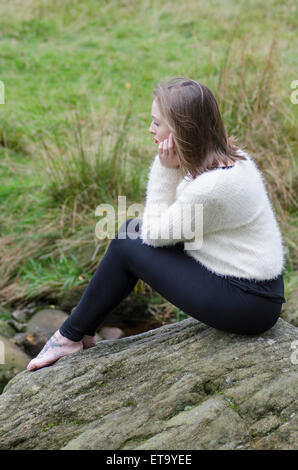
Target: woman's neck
[230,163]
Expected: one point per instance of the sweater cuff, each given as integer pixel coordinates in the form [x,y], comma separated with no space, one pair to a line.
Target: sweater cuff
[168,176]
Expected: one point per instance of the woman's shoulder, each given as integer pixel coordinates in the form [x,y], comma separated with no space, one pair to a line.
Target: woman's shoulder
[231,181]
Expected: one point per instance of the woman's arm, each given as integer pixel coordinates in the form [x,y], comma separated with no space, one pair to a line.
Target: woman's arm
[162,184]
[166,221]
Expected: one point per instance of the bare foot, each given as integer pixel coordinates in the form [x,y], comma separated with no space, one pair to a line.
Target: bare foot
[89,341]
[57,346]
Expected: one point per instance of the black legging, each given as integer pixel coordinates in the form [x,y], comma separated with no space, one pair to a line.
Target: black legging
[177,277]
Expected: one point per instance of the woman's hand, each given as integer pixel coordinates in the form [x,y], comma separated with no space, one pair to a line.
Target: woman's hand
[167,154]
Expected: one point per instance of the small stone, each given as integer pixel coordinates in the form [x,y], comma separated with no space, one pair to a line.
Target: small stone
[32,342]
[19,315]
[111,332]
[17,325]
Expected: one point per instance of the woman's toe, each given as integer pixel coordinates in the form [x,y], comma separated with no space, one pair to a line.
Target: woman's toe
[38,363]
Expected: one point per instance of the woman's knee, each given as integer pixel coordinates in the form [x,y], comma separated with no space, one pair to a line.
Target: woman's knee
[124,244]
[129,229]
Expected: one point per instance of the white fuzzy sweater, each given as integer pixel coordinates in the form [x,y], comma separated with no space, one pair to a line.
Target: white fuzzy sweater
[223,216]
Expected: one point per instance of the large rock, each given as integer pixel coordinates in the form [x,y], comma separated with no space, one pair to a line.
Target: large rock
[181,386]
[5,329]
[46,320]
[12,363]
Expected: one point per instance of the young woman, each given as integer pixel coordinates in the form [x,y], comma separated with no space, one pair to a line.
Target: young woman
[208,240]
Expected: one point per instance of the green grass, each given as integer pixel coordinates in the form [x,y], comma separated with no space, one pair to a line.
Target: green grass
[74,134]
[49,271]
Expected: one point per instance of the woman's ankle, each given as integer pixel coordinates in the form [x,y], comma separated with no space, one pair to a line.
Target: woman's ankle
[64,340]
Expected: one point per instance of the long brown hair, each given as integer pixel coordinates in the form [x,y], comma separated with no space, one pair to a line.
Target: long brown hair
[191,112]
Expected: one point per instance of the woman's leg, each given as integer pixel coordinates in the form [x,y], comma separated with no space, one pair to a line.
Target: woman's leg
[110,284]
[175,275]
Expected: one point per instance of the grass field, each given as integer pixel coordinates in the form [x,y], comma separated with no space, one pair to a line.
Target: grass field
[78,82]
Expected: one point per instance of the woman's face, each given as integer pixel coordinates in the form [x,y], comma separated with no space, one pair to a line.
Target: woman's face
[158,128]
